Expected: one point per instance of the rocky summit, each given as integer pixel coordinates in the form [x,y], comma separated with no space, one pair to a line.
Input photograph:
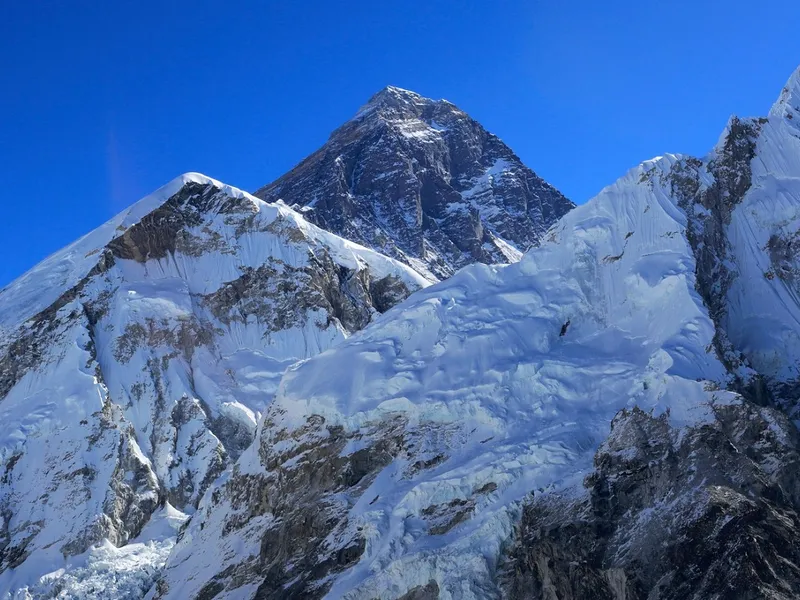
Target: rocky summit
[422,182]
[221,396]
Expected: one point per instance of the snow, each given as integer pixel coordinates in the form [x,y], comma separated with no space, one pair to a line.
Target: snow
[764,303]
[508,249]
[399,166]
[391,94]
[110,572]
[39,287]
[476,196]
[481,352]
[611,306]
[788,102]
[478,370]
[418,130]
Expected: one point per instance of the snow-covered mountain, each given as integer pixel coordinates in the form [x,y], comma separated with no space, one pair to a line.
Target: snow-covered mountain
[421,181]
[135,364]
[606,418]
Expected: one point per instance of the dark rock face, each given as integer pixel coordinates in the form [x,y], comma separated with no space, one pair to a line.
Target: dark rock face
[424,592]
[782,255]
[133,493]
[421,181]
[29,348]
[281,296]
[711,512]
[127,498]
[707,227]
[164,230]
[709,192]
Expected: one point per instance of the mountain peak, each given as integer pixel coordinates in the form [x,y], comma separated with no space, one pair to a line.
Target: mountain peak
[421,181]
[395,102]
[397,93]
[36,289]
[788,103]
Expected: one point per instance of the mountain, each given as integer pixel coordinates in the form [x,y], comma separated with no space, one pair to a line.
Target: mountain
[609,417]
[420,181]
[212,397]
[135,364]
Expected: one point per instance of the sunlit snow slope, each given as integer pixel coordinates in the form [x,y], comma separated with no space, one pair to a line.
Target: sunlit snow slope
[399,461]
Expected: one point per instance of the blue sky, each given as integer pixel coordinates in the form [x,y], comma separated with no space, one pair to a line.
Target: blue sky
[104,102]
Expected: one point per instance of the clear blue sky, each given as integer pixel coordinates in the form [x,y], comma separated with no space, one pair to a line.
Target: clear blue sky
[103,102]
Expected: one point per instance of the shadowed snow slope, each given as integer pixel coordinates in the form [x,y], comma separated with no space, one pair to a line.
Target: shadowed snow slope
[397,464]
[135,363]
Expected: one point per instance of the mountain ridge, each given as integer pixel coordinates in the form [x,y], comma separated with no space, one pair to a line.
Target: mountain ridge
[135,363]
